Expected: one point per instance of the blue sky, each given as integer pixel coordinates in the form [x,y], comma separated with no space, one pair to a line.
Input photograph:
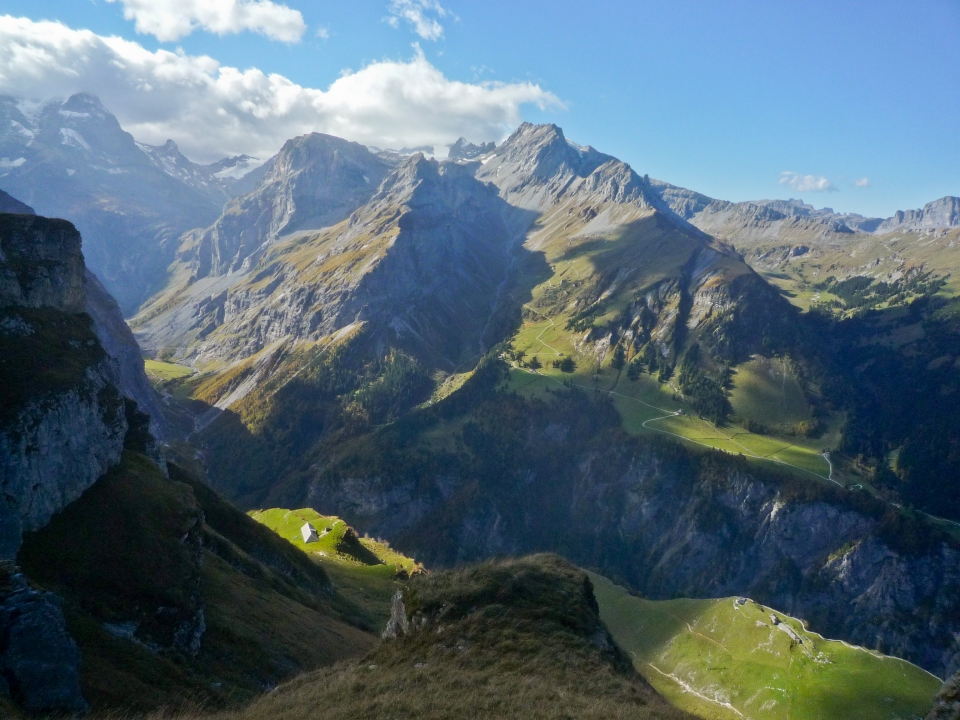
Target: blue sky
[722,98]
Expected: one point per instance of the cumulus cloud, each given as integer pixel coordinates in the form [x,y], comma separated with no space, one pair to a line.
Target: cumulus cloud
[862,182]
[806,183]
[418,14]
[173,19]
[212,110]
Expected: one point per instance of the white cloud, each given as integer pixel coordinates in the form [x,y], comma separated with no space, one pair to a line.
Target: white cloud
[806,183]
[173,19]
[323,33]
[417,13]
[862,182]
[213,110]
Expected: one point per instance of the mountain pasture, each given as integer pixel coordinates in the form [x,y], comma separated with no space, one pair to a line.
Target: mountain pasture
[720,660]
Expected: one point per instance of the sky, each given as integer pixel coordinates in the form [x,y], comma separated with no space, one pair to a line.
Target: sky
[851,105]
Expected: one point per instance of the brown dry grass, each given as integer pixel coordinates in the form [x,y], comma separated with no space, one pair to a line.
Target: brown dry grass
[514,639]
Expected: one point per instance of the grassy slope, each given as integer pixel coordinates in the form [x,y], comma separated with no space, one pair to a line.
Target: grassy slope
[847,255]
[160,371]
[118,554]
[646,406]
[720,660]
[369,586]
[651,255]
[516,639]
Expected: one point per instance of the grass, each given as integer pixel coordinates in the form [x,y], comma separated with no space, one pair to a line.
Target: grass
[368,580]
[512,639]
[766,391]
[163,371]
[646,406]
[642,251]
[146,552]
[333,545]
[720,660]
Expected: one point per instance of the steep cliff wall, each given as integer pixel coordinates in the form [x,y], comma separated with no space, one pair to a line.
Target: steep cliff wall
[120,344]
[62,423]
[527,476]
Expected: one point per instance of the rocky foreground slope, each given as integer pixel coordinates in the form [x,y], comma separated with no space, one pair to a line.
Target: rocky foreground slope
[519,638]
[124,581]
[63,420]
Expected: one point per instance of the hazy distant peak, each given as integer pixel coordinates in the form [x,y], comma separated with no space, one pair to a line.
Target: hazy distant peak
[9,204]
[942,213]
[464,150]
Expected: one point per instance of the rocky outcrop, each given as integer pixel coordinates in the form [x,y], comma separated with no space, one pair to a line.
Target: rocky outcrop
[54,449]
[946,706]
[39,661]
[9,204]
[40,264]
[62,423]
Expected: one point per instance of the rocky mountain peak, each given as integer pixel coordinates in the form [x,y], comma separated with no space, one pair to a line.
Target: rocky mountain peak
[9,204]
[538,167]
[315,181]
[464,150]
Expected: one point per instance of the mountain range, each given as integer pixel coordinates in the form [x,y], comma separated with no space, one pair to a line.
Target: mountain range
[523,348]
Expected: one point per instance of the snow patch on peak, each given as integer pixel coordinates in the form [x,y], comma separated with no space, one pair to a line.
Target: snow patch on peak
[69,136]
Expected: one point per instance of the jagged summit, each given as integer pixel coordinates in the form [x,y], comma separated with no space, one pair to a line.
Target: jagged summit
[537,168]
[72,159]
[315,181]
[464,150]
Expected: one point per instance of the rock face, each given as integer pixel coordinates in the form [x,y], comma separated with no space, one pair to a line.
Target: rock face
[39,661]
[537,168]
[62,424]
[118,341]
[314,181]
[422,260]
[942,213]
[71,159]
[41,264]
[946,706]
[664,523]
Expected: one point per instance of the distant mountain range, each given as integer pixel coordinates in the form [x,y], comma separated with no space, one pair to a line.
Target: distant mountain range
[131,202]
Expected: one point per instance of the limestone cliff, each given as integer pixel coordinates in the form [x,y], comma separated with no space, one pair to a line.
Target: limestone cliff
[62,423]
[559,476]
[119,343]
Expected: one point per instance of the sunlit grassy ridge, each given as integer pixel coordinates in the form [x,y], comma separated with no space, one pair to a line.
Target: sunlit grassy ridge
[719,659]
[512,639]
[368,579]
[330,545]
